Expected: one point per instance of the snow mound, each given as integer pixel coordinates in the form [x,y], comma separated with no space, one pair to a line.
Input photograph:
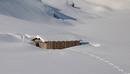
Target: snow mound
[95,44]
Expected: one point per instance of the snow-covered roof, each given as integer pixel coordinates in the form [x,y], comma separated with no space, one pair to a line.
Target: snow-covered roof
[58,37]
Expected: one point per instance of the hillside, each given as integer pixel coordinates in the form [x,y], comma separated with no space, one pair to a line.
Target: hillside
[96,21]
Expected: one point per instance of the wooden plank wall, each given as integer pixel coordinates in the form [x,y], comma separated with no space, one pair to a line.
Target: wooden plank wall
[58,44]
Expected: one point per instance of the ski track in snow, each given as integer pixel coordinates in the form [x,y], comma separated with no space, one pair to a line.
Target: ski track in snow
[114,66]
[15,36]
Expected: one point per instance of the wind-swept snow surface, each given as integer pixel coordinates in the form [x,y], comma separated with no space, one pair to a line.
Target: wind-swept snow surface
[104,22]
[31,10]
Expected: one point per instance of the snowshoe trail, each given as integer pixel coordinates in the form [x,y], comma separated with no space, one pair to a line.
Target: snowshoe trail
[114,66]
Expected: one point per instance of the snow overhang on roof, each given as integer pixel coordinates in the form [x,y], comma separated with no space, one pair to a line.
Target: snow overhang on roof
[58,37]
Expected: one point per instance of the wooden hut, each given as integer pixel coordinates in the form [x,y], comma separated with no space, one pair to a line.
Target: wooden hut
[58,44]
[55,44]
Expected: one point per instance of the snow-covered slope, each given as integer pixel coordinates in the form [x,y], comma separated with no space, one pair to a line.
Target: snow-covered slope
[96,21]
[30,10]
